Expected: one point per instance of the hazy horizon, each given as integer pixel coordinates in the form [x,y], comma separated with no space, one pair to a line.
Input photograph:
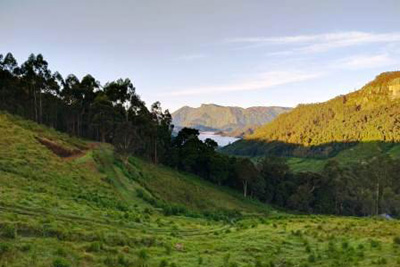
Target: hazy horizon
[230,53]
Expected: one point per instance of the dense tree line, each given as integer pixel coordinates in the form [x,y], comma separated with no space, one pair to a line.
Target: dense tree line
[83,107]
[367,188]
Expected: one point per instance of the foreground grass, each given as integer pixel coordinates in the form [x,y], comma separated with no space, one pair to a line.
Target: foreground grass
[285,241]
[92,210]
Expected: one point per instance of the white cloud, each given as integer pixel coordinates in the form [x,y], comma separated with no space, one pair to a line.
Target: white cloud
[320,42]
[365,61]
[262,81]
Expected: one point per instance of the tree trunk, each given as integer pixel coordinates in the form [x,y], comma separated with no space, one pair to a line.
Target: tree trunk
[377,198]
[155,152]
[103,135]
[40,107]
[245,188]
[35,105]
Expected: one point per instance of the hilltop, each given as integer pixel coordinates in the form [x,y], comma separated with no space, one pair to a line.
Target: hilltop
[322,130]
[233,121]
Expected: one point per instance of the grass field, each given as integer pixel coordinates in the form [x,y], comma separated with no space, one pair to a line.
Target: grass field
[90,209]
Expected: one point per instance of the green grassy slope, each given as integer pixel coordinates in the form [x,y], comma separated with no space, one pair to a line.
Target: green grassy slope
[189,191]
[85,210]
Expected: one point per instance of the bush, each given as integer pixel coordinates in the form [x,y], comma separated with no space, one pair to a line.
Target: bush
[163,263]
[94,247]
[381,261]
[4,247]
[143,254]
[61,262]
[25,247]
[9,231]
[396,240]
[61,252]
[122,261]
[311,258]
[374,243]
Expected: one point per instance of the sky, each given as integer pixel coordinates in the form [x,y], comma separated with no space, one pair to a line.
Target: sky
[228,52]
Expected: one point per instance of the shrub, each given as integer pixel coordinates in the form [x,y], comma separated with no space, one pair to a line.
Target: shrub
[311,258]
[4,247]
[374,243]
[25,247]
[94,247]
[61,252]
[381,261]
[396,240]
[9,231]
[163,263]
[143,254]
[122,261]
[61,262]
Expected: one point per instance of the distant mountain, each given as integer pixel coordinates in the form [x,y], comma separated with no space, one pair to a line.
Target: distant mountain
[233,121]
[371,114]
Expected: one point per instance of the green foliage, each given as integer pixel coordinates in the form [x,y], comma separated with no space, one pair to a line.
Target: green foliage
[9,231]
[4,247]
[61,262]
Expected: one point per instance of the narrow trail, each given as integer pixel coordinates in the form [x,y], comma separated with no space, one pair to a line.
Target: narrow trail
[82,153]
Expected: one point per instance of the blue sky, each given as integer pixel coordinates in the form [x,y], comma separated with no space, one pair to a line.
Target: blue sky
[229,52]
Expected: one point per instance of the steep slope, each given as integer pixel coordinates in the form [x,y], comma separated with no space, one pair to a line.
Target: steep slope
[69,166]
[230,120]
[371,114]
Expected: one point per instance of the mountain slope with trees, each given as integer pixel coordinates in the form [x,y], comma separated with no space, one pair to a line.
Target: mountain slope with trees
[233,121]
[371,114]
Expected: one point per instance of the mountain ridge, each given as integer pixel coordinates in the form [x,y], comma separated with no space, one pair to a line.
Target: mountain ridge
[230,120]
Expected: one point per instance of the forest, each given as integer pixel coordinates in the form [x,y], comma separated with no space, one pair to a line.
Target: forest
[114,113]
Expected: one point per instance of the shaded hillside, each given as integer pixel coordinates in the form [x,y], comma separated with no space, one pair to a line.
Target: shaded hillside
[232,121]
[322,129]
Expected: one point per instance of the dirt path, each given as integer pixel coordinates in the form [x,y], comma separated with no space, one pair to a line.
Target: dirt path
[82,153]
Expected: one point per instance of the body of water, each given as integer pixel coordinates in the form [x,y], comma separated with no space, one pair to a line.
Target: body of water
[221,140]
